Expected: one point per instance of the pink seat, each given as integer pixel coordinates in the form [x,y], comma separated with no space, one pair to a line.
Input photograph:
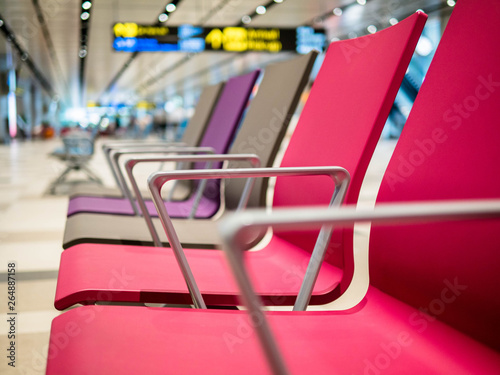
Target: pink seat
[329,132]
[377,338]
[163,281]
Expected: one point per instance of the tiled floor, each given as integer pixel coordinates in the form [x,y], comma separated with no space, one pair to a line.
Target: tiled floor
[31,231]
[31,226]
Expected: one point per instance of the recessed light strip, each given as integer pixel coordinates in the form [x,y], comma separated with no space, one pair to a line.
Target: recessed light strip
[50,47]
[85,12]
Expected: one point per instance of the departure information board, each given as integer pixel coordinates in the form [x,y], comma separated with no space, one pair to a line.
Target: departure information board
[132,37]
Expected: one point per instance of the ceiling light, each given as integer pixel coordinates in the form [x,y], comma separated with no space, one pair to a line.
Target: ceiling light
[85,16]
[162,17]
[246,19]
[261,9]
[393,21]
[170,7]
[372,29]
[361,2]
[352,35]
[451,3]
[278,1]
[86,5]
[424,46]
[1,23]
[337,11]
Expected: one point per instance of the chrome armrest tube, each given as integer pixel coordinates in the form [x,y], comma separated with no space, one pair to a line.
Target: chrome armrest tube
[131,163]
[115,155]
[155,182]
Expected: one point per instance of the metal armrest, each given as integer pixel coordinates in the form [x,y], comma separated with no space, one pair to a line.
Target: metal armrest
[115,155]
[126,143]
[131,163]
[140,148]
[155,182]
[234,227]
[118,145]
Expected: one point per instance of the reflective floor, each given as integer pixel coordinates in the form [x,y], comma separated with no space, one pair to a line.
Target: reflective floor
[31,231]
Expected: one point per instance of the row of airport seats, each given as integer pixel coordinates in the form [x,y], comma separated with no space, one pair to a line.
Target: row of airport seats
[422,300]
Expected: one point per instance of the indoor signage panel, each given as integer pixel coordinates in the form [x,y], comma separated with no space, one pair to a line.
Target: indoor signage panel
[132,37]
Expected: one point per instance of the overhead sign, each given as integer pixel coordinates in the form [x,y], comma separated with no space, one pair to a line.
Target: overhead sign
[131,37]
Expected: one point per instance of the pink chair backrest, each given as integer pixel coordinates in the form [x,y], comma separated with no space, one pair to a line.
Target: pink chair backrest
[343,117]
[449,149]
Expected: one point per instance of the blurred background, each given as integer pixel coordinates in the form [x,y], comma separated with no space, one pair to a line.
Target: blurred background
[107,67]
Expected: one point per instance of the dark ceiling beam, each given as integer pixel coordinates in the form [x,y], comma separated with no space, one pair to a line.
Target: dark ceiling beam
[120,72]
[25,57]
[211,67]
[85,16]
[50,46]
[207,69]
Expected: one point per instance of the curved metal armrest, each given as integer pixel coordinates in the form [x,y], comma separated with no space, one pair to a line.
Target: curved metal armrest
[233,228]
[120,179]
[131,163]
[155,182]
[120,145]
[108,146]
[252,158]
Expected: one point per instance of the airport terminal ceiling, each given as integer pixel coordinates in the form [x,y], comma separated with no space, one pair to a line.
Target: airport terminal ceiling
[50,33]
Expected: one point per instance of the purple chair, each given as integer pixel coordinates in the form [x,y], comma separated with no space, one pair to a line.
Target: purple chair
[218,135]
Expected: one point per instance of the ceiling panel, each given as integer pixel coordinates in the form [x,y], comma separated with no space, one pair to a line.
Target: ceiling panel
[155,76]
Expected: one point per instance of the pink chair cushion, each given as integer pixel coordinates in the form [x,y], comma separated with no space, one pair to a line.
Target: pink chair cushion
[90,272]
[383,336]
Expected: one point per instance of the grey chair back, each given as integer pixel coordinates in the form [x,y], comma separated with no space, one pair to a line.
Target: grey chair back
[266,122]
[197,124]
